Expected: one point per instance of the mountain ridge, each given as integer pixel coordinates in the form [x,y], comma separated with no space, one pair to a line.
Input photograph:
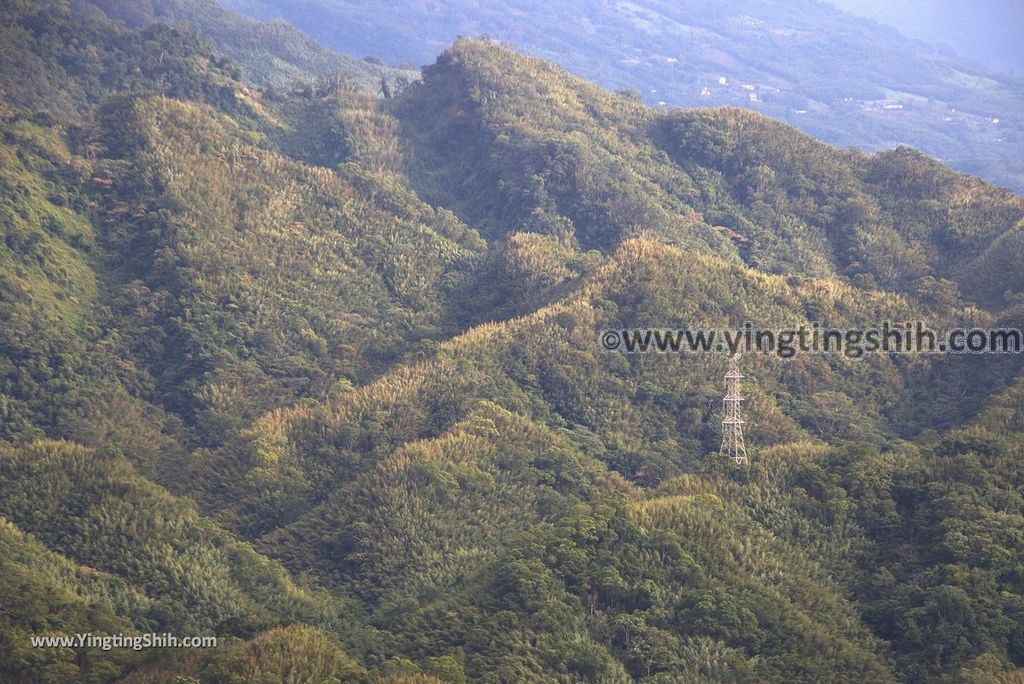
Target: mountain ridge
[319,372]
[843,79]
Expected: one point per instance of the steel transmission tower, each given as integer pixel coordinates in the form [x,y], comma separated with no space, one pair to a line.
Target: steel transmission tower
[732,424]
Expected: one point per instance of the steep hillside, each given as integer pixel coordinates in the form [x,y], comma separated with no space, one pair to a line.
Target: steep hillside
[846,80]
[319,372]
[571,160]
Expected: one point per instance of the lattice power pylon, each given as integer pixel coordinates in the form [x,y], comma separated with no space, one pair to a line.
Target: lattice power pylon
[732,424]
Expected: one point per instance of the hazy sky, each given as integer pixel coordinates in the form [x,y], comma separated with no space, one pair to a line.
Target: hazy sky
[989,31]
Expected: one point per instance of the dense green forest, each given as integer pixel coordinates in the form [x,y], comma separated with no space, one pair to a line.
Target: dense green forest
[846,80]
[315,368]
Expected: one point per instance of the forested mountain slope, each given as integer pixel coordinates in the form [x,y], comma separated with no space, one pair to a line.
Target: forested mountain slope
[318,372]
[846,80]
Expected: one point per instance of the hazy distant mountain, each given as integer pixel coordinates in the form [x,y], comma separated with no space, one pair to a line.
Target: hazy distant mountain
[270,53]
[848,81]
[990,32]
